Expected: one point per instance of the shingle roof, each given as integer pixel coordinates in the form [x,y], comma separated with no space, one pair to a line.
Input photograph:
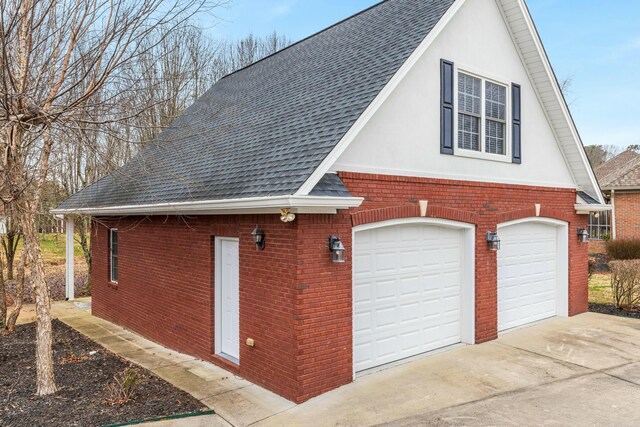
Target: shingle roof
[620,171]
[587,198]
[330,185]
[263,130]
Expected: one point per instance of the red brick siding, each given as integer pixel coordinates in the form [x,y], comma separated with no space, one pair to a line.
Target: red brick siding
[295,303]
[324,306]
[487,205]
[627,212]
[597,247]
[165,289]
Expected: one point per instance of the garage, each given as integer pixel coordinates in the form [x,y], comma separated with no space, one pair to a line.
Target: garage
[413,289]
[532,272]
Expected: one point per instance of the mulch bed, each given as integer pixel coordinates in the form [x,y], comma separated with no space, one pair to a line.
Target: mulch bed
[55,277]
[84,379]
[613,310]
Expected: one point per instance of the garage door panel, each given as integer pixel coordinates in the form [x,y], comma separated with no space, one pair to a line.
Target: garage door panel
[527,274]
[409,286]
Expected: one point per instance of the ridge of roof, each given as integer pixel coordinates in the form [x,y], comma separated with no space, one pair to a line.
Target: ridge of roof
[617,167]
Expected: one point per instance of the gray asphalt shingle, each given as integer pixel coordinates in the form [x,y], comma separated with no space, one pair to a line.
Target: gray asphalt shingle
[263,130]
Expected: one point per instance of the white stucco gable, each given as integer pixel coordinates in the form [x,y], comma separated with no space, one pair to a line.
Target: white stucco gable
[400,133]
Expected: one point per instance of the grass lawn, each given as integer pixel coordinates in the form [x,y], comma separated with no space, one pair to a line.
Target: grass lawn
[53,248]
[600,289]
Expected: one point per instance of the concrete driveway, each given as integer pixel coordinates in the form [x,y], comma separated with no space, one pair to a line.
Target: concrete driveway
[579,371]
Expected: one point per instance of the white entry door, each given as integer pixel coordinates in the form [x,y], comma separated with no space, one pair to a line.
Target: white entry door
[227,299]
[532,271]
[407,292]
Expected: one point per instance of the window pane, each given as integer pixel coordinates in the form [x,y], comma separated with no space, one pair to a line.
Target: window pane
[469,92]
[468,132]
[494,137]
[113,255]
[496,101]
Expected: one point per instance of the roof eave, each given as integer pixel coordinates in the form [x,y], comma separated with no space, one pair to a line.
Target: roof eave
[584,209]
[621,187]
[270,204]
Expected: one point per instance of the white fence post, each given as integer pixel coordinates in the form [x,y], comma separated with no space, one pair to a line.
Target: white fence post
[69,277]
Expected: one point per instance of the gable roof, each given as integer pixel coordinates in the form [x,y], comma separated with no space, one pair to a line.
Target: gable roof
[622,171]
[274,129]
[263,130]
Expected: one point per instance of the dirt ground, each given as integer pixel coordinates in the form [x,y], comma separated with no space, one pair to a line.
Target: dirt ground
[85,375]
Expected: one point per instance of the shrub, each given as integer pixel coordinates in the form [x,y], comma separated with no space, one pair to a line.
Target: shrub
[123,387]
[623,249]
[625,283]
[592,266]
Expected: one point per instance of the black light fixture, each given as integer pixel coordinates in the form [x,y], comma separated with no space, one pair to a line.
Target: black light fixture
[337,249]
[493,240]
[583,235]
[258,237]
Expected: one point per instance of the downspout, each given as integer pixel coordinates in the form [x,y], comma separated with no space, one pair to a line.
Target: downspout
[613,215]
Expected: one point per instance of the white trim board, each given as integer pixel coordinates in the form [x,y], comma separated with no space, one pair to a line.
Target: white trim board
[270,204]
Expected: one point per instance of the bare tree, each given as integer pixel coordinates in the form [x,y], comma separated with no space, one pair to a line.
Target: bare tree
[10,240]
[55,57]
[599,154]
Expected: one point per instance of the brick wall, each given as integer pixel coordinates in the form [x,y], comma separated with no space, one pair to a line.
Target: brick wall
[486,205]
[165,289]
[597,247]
[627,211]
[294,302]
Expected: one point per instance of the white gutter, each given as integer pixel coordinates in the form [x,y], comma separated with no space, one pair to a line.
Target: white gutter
[270,204]
[584,209]
[613,214]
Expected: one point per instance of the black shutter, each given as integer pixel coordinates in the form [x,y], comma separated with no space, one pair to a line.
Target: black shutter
[516,126]
[446,97]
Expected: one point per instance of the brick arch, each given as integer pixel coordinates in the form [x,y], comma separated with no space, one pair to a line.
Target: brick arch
[531,213]
[411,211]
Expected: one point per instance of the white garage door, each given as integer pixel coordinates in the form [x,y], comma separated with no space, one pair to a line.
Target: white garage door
[527,274]
[407,292]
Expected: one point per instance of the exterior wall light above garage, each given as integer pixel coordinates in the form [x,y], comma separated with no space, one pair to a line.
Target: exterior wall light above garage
[493,240]
[583,235]
[337,249]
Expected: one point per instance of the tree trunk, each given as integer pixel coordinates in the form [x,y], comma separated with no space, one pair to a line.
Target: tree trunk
[3,297]
[45,379]
[19,297]
[10,246]
[84,229]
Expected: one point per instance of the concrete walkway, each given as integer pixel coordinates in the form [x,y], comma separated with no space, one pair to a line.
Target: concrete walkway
[583,370]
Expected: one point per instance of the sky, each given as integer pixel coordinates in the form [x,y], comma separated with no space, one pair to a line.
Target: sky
[595,43]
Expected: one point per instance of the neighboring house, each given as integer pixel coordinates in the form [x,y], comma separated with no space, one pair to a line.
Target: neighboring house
[619,179]
[408,131]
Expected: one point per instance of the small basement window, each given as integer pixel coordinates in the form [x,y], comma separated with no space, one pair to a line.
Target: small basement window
[113,255]
[482,117]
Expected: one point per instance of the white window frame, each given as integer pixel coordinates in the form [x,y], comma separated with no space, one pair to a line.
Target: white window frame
[111,231]
[601,226]
[482,154]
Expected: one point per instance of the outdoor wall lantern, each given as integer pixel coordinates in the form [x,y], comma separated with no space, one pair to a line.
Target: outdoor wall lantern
[493,240]
[583,235]
[337,249]
[258,237]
